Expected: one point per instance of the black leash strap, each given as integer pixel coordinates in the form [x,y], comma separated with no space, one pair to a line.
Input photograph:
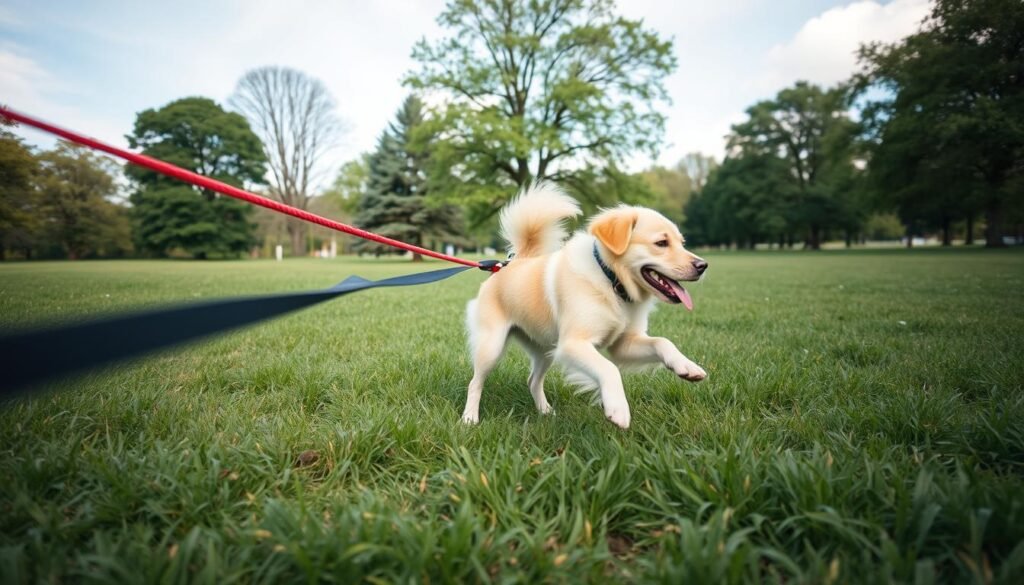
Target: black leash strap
[30,357]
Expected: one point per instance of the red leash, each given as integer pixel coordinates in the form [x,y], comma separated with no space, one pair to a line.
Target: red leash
[225,189]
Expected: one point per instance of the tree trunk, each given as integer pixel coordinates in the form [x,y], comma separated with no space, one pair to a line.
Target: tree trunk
[910,236]
[849,238]
[994,226]
[969,239]
[417,257]
[947,231]
[297,233]
[814,238]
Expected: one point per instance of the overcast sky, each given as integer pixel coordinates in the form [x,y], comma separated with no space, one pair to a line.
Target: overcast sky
[91,66]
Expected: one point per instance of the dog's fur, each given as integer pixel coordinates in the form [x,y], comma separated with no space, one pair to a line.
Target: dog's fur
[555,300]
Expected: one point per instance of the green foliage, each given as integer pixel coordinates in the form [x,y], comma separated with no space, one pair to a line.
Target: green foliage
[75,188]
[169,218]
[350,184]
[671,189]
[945,112]
[538,89]
[395,201]
[863,423]
[790,173]
[883,226]
[18,167]
[747,200]
[198,135]
[58,203]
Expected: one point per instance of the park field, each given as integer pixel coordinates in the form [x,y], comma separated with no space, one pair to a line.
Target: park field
[863,422]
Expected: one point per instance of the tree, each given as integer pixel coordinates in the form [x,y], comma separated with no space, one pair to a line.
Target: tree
[75,188]
[395,201]
[945,114]
[539,89]
[806,127]
[294,116]
[748,199]
[671,190]
[196,134]
[18,199]
[350,184]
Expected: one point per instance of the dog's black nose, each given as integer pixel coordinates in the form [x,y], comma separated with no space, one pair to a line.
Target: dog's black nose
[700,265]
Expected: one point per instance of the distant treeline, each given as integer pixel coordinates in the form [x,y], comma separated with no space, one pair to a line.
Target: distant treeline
[926,139]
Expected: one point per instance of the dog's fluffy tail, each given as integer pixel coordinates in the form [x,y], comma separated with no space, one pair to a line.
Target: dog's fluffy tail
[532,222]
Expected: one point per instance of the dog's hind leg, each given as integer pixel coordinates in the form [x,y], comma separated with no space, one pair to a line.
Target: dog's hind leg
[487,343]
[540,362]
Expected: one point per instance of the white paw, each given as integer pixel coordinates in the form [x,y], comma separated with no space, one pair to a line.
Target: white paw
[688,370]
[545,408]
[470,418]
[618,415]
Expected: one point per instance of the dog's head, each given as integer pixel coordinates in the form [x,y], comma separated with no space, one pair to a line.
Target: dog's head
[647,252]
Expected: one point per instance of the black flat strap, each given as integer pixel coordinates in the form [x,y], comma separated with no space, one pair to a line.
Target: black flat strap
[34,356]
[617,285]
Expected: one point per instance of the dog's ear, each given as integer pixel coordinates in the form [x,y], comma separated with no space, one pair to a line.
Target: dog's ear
[614,228]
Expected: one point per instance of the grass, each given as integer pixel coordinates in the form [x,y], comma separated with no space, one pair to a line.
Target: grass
[863,422]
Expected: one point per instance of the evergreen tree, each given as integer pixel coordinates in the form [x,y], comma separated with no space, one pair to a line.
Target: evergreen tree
[196,134]
[395,203]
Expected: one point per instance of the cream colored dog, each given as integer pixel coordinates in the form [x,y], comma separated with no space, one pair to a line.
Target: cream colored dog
[566,302]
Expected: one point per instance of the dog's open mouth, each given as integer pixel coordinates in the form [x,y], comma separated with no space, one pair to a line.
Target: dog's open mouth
[669,290]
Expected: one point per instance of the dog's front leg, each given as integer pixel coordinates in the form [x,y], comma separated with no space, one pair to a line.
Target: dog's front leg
[582,355]
[642,349]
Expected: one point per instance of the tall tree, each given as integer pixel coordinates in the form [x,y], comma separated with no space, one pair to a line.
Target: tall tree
[748,199]
[395,201]
[199,135]
[75,192]
[948,121]
[293,114]
[807,127]
[18,198]
[555,89]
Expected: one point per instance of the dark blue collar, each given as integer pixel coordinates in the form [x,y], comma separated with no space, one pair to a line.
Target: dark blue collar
[616,283]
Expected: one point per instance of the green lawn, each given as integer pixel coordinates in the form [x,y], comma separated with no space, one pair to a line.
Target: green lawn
[863,422]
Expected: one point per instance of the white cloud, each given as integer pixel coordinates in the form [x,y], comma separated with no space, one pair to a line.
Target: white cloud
[824,50]
[27,86]
[21,78]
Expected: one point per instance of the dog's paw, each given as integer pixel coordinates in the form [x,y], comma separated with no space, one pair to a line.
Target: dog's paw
[545,408]
[618,415]
[688,371]
[469,418]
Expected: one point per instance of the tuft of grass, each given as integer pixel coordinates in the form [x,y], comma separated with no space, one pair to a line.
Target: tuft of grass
[863,422]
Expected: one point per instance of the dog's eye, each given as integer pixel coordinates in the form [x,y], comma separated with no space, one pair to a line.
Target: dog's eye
[661,243]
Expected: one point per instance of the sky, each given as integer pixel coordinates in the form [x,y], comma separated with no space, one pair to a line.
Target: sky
[91,66]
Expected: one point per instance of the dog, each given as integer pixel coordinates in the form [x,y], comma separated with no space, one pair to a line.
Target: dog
[566,303]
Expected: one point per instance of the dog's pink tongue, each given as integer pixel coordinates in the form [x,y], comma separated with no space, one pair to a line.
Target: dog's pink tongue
[682,294]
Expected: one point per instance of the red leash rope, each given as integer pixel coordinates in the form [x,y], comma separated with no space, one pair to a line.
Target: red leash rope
[225,189]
